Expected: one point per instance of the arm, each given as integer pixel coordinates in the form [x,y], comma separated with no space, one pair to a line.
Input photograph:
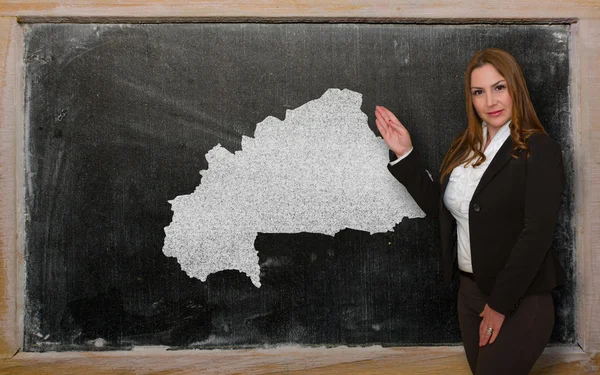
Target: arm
[409,171]
[544,185]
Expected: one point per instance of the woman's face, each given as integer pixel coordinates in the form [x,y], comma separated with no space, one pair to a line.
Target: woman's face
[490,96]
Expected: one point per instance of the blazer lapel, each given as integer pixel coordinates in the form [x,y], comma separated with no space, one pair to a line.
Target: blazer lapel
[499,160]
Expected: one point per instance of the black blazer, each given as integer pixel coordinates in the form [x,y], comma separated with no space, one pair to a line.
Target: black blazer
[512,216]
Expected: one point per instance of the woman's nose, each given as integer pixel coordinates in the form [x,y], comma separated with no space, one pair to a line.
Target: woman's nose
[490,100]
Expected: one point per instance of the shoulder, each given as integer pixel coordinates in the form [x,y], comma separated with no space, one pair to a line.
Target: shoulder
[542,143]
[544,153]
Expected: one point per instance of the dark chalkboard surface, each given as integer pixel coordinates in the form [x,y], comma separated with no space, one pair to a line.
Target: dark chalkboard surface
[120,118]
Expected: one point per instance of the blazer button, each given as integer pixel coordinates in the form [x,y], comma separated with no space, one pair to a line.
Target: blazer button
[476,207]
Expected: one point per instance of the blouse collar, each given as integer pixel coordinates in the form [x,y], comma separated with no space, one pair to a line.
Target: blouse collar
[501,136]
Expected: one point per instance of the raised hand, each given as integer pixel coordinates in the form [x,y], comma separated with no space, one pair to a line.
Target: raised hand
[393,132]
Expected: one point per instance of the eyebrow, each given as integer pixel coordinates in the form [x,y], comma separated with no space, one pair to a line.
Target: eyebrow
[495,84]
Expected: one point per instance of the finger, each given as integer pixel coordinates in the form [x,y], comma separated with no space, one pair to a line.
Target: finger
[387,115]
[481,333]
[390,117]
[386,112]
[383,114]
[394,125]
[397,126]
[379,117]
[381,125]
[483,340]
[484,336]
[382,128]
[494,335]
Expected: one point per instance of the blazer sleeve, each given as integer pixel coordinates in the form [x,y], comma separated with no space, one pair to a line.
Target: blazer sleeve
[543,189]
[411,173]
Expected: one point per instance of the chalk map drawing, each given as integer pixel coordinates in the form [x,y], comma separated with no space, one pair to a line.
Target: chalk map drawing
[320,170]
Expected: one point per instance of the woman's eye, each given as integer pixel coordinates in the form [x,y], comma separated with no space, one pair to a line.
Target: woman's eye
[476,92]
[500,87]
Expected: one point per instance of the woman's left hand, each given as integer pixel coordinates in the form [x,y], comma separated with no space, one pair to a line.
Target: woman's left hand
[491,319]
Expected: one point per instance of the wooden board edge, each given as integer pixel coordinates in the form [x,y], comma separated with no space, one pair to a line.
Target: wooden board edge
[11,277]
[588,199]
[20,126]
[284,360]
[578,256]
[112,19]
[311,9]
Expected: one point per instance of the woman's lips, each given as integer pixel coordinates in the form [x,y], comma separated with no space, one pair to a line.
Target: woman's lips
[496,113]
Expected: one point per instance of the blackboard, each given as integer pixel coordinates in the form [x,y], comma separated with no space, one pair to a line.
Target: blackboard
[120,118]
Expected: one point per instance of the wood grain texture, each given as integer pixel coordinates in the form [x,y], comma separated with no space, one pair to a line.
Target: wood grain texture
[588,194]
[10,257]
[291,360]
[409,360]
[310,9]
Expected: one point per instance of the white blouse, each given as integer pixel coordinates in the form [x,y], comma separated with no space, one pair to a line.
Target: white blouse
[459,192]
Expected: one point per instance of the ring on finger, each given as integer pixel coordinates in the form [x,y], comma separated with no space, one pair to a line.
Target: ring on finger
[489,330]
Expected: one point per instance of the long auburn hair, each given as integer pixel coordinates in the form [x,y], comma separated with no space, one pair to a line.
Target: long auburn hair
[467,146]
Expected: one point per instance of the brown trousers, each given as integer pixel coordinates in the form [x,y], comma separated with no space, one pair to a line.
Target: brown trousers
[521,339]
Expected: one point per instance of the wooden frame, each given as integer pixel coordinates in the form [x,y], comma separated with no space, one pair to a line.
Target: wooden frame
[584,15]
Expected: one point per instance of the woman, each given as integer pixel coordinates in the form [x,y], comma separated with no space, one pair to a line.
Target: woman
[497,202]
